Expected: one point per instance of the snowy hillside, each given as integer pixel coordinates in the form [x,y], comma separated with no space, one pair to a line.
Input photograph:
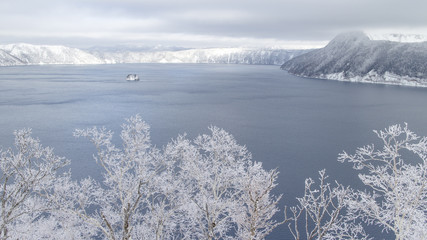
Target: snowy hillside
[408,38]
[26,54]
[209,55]
[355,57]
[8,60]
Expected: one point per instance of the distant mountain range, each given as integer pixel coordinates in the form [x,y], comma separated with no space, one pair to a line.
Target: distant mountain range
[266,56]
[27,54]
[358,57]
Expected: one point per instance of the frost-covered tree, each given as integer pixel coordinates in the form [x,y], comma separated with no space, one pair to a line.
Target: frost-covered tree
[53,225]
[133,199]
[224,195]
[206,188]
[321,213]
[211,174]
[258,205]
[27,174]
[396,175]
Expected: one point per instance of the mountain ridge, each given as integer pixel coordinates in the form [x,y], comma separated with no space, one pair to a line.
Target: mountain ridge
[28,54]
[355,57]
[263,56]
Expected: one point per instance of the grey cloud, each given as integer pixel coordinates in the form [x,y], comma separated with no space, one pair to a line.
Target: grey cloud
[284,20]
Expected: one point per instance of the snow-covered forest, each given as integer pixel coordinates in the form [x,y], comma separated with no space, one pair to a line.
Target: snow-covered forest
[205,188]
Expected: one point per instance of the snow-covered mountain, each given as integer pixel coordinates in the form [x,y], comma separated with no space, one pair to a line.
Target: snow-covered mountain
[26,54]
[8,60]
[395,37]
[355,57]
[266,56]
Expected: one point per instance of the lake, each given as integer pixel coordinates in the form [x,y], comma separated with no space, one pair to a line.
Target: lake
[297,125]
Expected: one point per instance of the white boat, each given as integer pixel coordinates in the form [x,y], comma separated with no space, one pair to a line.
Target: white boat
[132,77]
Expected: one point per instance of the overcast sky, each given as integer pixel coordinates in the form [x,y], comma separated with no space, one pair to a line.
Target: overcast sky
[201,23]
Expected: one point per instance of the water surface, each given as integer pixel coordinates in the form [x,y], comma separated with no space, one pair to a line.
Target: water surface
[297,125]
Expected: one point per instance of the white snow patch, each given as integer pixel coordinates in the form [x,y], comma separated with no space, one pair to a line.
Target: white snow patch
[397,37]
[373,77]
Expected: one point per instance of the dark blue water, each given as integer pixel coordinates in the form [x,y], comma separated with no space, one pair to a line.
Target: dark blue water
[294,124]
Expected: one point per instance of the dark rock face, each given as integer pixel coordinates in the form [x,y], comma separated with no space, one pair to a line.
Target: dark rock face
[355,55]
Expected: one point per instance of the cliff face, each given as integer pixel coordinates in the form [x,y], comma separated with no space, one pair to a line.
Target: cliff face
[27,54]
[355,57]
[209,55]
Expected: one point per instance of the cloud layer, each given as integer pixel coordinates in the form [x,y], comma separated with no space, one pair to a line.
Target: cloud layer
[203,23]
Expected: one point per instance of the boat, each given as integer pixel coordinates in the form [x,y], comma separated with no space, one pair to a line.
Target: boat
[132,77]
